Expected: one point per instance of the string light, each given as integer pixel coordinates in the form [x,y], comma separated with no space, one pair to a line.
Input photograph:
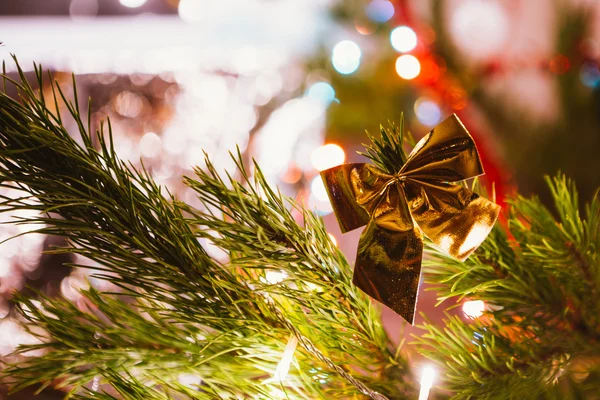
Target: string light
[426,382]
[327,156]
[473,308]
[346,57]
[274,277]
[408,66]
[283,367]
[403,39]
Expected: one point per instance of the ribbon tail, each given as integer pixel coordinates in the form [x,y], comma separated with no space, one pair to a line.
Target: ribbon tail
[453,217]
[388,267]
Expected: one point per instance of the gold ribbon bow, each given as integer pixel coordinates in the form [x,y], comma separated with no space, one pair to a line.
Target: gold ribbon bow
[394,207]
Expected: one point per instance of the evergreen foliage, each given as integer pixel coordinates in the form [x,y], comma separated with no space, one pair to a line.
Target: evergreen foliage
[180,313]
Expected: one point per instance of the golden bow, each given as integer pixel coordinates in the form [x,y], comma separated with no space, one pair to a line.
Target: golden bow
[388,263]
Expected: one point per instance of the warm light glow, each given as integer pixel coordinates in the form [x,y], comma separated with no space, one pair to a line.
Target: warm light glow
[473,308]
[286,359]
[274,277]
[426,382]
[427,111]
[346,57]
[333,239]
[327,156]
[317,187]
[133,3]
[408,67]
[403,39]
[150,145]
[189,380]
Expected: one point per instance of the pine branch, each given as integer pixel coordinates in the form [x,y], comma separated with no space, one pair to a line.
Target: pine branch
[141,241]
[387,152]
[539,277]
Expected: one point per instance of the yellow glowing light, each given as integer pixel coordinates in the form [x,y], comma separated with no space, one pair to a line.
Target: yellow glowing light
[275,277]
[408,66]
[333,239]
[327,156]
[426,382]
[473,308]
[286,359]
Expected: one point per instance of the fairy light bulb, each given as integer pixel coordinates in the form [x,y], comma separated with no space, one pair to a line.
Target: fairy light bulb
[403,39]
[327,156]
[473,308]
[283,367]
[426,382]
[408,66]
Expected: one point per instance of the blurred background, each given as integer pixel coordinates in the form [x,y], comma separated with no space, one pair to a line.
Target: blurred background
[295,83]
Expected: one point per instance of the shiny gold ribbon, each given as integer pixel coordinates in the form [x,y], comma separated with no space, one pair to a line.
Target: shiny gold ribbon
[397,208]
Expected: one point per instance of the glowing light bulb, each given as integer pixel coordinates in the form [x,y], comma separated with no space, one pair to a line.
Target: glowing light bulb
[345,57]
[426,382]
[275,277]
[327,156]
[286,359]
[408,67]
[427,111]
[403,39]
[473,308]
[133,3]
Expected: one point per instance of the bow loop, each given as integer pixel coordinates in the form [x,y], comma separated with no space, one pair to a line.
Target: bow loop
[388,262]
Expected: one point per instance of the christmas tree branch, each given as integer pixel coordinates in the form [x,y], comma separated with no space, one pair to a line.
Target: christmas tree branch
[186,313]
[539,277]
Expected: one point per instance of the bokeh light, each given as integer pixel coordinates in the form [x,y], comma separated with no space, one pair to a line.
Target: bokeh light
[346,57]
[427,377]
[408,66]
[133,3]
[150,145]
[317,188]
[590,75]
[327,156]
[559,64]
[380,10]
[473,308]
[275,277]
[322,92]
[190,10]
[428,111]
[480,28]
[403,39]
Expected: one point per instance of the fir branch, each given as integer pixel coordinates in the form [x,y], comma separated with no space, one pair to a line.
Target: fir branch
[539,277]
[117,216]
[387,152]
